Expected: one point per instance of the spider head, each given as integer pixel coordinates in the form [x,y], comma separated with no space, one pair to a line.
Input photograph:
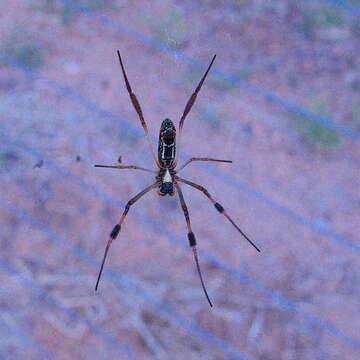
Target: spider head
[166,188]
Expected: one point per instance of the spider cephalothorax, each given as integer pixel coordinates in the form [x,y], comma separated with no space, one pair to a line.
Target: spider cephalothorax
[167,180]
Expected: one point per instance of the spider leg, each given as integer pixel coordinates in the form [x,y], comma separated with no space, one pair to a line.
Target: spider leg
[218,207]
[126,167]
[192,99]
[191,237]
[115,232]
[201,159]
[136,105]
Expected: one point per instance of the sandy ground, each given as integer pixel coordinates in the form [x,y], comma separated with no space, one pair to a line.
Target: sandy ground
[293,187]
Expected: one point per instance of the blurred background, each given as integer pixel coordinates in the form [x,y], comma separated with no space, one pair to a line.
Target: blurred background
[282,101]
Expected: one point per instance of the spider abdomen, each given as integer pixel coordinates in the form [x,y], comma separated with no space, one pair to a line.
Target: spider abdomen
[167,144]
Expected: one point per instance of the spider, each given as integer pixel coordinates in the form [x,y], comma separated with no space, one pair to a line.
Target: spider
[167,181]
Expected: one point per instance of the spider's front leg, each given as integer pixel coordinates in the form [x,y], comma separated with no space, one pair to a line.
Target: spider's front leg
[191,237]
[191,100]
[137,107]
[115,232]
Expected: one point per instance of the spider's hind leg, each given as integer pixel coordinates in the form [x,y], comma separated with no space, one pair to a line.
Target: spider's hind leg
[116,230]
[192,239]
[218,207]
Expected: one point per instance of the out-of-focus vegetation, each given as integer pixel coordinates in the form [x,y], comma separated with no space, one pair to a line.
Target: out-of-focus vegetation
[23,49]
[170,29]
[314,133]
[240,11]
[69,9]
[8,158]
[317,18]
[355,124]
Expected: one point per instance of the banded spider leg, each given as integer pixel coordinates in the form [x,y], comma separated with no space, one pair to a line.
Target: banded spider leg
[115,232]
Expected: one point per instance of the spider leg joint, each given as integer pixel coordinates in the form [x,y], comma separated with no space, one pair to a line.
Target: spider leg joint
[115,231]
[192,240]
[219,208]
